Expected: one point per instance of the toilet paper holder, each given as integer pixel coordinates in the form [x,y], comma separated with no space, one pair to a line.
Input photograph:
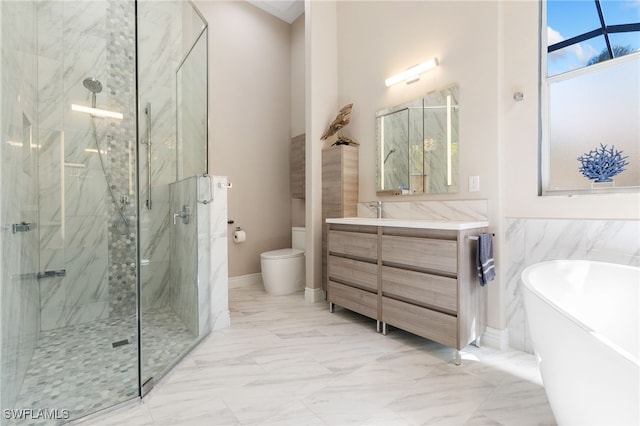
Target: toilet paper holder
[239,235]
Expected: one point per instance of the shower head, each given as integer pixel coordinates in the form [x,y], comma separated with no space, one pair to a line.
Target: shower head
[92,84]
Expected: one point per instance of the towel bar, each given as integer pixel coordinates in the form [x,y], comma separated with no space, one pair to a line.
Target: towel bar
[475,237]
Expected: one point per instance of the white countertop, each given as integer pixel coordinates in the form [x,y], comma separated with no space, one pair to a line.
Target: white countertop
[453,225]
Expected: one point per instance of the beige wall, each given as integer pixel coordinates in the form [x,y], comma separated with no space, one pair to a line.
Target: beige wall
[321,105]
[249,112]
[297,103]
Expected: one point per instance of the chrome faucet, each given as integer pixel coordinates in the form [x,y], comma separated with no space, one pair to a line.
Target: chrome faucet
[378,206]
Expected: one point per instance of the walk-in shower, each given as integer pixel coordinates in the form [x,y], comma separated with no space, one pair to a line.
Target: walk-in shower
[92,296]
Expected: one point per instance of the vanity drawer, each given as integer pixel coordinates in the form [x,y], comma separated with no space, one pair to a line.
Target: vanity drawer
[421,253]
[354,299]
[355,244]
[350,271]
[422,288]
[424,322]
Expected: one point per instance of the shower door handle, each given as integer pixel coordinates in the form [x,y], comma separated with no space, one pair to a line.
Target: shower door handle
[147,112]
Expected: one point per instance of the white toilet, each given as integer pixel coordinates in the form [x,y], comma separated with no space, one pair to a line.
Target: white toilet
[283,270]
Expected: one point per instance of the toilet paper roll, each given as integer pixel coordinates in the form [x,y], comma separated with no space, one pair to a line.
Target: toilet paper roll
[239,236]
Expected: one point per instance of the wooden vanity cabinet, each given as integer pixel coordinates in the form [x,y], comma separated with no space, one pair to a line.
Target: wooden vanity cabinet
[420,280]
[352,269]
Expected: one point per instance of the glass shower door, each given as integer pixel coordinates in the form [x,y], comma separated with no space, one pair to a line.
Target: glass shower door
[168,308]
[75,320]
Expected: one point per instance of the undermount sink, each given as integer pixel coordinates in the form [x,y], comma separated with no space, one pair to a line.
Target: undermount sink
[409,223]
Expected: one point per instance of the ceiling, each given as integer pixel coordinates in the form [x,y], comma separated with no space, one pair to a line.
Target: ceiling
[287,10]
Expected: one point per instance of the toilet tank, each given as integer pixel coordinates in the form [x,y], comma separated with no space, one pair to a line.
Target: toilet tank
[298,240]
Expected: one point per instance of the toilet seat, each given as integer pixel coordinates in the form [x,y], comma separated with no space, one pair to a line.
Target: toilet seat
[285,253]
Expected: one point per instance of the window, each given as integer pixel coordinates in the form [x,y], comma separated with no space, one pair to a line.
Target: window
[590,91]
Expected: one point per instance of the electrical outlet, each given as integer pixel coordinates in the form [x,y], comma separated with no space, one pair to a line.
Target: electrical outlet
[474,183]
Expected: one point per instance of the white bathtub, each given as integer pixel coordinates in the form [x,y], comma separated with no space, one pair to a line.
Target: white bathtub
[584,323]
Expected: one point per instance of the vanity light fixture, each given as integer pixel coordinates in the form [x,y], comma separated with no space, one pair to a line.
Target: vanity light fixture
[449,176]
[412,74]
[97,112]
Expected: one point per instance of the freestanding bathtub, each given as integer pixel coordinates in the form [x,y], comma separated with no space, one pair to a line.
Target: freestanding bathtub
[584,322]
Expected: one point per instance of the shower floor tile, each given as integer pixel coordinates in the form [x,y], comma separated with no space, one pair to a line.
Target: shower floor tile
[78,368]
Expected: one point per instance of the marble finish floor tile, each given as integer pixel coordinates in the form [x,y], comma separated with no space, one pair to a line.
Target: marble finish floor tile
[287,362]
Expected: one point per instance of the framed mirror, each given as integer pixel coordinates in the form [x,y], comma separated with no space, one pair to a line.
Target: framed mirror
[417,145]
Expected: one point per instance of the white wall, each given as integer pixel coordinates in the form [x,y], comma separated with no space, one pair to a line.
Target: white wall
[249,111]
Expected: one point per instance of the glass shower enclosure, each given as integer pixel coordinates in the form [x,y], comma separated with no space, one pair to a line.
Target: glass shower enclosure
[102,110]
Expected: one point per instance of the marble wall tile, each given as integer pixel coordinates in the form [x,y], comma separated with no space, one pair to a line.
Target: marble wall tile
[154,240]
[157,61]
[51,248]
[88,312]
[204,185]
[183,268]
[463,210]
[50,90]
[515,257]
[50,27]
[87,277]
[53,296]
[154,282]
[614,241]
[50,183]
[86,232]
[529,241]
[84,192]
[219,273]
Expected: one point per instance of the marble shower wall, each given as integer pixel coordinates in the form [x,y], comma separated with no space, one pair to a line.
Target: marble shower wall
[159,54]
[218,273]
[529,241]
[81,231]
[19,298]
[184,250]
[198,286]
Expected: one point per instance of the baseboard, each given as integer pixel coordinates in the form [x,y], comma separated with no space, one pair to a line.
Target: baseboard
[494,338]
[245,280]
[314,295]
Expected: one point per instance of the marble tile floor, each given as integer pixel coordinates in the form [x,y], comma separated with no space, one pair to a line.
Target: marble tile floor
[286,362]
[77,368]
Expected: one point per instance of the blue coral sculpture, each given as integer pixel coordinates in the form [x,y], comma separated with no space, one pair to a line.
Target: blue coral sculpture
[601,164]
